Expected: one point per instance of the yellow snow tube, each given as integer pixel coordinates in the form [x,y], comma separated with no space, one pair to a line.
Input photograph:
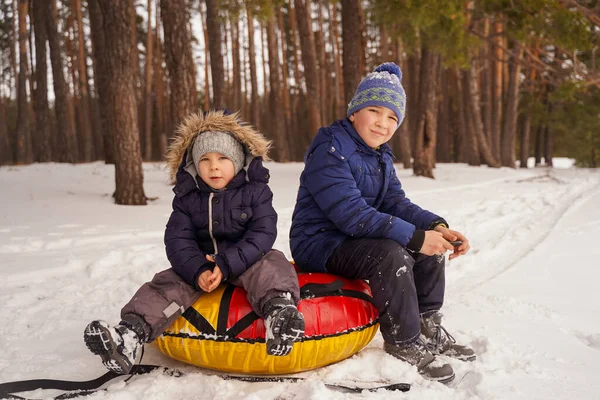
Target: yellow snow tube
[221,332]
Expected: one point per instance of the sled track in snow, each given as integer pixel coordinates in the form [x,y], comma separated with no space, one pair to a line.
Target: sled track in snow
[570,204]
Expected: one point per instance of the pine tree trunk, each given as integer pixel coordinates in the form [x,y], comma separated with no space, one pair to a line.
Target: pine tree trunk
[277,122]
[254,106]
[66,147]
[122,113]
[162,127]
[443,153]
[486,85]
[42,110]
[101,77]
[427,118]
[309,60]
[180,63]
[237,68]
[340,105]
[458,114]
[85,136]
[213,28]
[285,90]
[539,144]
[475,113]
[471,151]
[411,85]
[22,153]
[497,89]
[6,153]
[352,47]
[512,102]
[148,99]
[525,139]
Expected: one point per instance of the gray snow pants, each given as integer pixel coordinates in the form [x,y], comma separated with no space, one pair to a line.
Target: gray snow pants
[160,302]
[404,284]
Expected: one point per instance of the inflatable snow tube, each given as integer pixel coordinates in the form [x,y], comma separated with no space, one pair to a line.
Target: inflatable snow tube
[221,332]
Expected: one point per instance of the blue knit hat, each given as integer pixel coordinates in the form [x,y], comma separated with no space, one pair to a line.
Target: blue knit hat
[382,87]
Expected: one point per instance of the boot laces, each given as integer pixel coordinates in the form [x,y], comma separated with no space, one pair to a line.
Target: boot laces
[440,337]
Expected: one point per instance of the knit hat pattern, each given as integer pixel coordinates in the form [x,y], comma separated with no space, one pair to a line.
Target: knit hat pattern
[382,87]
[219,142]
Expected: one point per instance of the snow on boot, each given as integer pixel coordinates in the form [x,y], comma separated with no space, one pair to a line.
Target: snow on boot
[417,354]
[284,325]
[439,341]
[117,346]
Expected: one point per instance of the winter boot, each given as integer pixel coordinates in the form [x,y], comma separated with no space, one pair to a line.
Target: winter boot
[439,341]
[284,325]
[416,354]
[117,346]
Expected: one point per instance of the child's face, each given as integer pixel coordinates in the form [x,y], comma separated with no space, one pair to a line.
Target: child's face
[375,124]
[216,170]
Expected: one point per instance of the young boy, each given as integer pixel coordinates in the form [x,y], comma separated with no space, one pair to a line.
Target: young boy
[222,229]
[352,218]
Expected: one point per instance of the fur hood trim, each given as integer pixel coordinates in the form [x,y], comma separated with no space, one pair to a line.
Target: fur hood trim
[255,144]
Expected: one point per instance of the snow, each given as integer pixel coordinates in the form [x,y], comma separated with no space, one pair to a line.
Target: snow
[525,297]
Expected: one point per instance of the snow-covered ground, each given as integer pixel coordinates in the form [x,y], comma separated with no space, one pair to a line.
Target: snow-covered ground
[525,297]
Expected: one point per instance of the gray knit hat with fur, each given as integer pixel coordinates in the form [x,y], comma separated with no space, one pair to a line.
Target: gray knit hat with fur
[219,142]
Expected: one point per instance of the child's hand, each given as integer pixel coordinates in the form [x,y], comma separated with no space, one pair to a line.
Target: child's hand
[215,278]
[203,280]
[450,234]
[434,244]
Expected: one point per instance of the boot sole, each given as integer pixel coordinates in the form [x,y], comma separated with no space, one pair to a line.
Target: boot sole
[444,379]
[283,342]
[100,342]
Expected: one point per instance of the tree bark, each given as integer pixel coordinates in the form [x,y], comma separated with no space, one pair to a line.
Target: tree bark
[340,105]
[427,118]
[475,113]
[6,153]
[254,106]
[22,152]
[443,153]
[148,98]
[285,90]
[213,27]
[309,60]
[122,112]
[162,127]
[43,138]
[497,89]
[353,51]
[512,103]
[66,147]
[85,134]
[486,85]
[237,68]
[469,142]
[277,123]
[180,63]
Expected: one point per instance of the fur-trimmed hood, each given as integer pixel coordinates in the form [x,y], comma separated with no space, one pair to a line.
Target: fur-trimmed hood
[255,144]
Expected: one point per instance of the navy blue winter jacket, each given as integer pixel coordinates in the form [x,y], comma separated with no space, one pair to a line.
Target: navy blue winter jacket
[348,189]
[238,224]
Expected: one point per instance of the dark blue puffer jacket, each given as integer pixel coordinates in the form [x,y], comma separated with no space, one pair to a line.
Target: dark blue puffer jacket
[348,189]
[238,224]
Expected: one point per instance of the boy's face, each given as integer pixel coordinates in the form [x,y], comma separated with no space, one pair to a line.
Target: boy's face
[216,170]
[375,124]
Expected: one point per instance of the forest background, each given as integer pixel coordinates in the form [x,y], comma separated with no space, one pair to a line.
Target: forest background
[490,82]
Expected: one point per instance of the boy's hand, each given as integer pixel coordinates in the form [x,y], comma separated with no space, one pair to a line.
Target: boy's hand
[450,234]
[434,244]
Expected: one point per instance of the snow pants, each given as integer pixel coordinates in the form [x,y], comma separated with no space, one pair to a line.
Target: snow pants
[161,301]
[404,284]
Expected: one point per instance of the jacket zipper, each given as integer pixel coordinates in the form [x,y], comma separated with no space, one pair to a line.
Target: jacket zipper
[210,222]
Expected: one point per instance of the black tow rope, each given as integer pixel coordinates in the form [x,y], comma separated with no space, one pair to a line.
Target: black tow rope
[76,388]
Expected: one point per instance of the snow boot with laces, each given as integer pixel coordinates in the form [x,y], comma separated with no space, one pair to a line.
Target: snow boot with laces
[417,354]
[439,341]
[284,325]
[118,346]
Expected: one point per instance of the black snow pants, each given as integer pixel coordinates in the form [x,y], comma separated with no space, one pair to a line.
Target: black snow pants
[404,284]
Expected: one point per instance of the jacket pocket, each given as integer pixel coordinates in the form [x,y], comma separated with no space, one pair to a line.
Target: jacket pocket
[240,217]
